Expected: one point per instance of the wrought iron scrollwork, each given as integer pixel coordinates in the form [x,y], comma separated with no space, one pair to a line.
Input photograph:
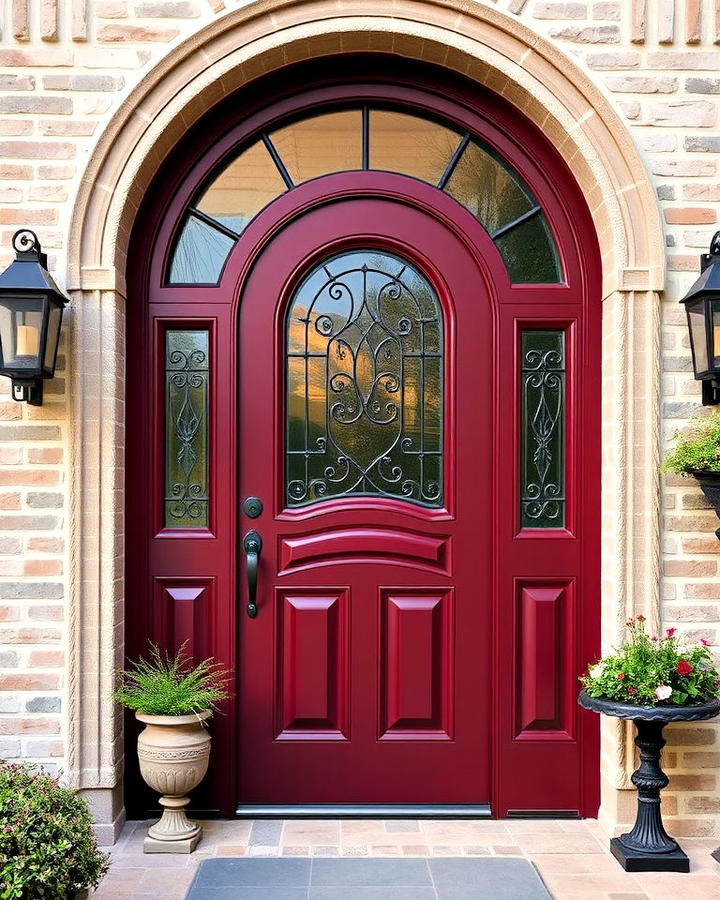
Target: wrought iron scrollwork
[543,412]
[186,378]
[364,382]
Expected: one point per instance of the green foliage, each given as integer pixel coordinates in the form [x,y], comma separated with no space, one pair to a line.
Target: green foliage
[699,448]
[650,671]
[47,846]
[171,686]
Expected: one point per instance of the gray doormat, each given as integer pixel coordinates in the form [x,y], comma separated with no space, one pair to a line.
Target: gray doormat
[372,878]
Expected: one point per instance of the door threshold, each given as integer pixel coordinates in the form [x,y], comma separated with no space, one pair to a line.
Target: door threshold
[364,811]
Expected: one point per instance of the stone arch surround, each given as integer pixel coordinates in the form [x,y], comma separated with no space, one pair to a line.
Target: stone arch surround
[496,51]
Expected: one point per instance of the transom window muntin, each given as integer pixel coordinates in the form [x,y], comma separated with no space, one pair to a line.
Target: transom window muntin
[367,137]
[364,382]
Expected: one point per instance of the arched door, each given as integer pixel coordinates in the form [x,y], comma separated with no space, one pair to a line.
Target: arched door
[375,308]
[366,333]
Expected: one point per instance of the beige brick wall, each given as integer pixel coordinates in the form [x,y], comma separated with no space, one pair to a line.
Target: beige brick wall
[65,68]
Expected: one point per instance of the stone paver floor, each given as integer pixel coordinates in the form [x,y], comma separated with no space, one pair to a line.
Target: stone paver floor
[572,856]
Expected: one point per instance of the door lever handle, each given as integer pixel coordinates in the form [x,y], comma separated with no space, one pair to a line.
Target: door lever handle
[252,544]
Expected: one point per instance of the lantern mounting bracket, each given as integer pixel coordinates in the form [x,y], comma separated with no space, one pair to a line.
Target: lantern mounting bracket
[30,392]
[710,392]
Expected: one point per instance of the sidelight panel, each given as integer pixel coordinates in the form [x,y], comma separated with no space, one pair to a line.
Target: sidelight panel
[542,414]
[186,428]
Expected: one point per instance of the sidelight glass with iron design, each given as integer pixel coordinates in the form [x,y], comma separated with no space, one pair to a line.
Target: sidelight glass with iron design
[364,389]
[542,466]
[186,428]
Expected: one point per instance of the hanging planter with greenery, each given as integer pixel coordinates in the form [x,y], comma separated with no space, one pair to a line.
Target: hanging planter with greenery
[697,453]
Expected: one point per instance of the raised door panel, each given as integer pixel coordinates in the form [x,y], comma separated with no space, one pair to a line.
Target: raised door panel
[182,611]
[416,664]
[544,621]
[311,664]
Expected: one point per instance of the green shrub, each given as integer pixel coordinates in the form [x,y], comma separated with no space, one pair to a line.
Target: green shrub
[47,847]
[650,671]
[171,686]
[698,449]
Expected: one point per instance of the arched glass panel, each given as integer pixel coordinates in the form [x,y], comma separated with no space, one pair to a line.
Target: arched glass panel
[242,189]
[492,193]
[200,253]
[331,142]
[367,138]
[410,145]
[364,383]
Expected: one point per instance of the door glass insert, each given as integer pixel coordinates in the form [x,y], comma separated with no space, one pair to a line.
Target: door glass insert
[364,382]
[186,428]
[542,503]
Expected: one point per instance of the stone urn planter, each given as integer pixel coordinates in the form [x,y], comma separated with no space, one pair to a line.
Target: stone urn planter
[710,485]
[648,847]
[173,752]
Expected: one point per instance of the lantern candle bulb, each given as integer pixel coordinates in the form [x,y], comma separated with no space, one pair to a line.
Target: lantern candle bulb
[28,340]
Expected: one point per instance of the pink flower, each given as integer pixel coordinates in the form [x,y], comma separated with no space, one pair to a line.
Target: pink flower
[684,667]
[663,692]
[670,632]
[621,676]
[631,690]
[704,642]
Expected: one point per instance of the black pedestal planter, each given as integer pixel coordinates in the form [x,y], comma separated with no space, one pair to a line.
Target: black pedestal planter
[710,485]
[648,847]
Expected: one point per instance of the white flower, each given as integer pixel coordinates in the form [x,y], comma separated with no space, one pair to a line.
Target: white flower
[663,692]
[596,671]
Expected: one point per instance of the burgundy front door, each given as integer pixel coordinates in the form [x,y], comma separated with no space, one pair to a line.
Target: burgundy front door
[375,307]
[365,335]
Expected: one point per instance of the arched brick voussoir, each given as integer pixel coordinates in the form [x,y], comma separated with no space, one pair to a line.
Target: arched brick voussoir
[470,38]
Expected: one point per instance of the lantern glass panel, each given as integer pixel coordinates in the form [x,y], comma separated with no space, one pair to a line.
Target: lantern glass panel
[53,337]
[696,321]
[21,320]
[715,318]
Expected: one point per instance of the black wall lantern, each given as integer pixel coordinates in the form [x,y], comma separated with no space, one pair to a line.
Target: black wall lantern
[702,304]
[31,309]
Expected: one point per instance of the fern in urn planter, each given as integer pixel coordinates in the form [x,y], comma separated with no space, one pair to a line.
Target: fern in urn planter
[173,698]
[697,453]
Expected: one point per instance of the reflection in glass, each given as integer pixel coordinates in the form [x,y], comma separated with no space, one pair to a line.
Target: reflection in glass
[200,253]
[529,253]
[410,144]
[242,189]
[186,428]
[542,469]
[493,194]
[331,142]
[715,313]
[364,382]
[696,321]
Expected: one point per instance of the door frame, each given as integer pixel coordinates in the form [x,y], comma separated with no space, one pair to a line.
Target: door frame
[455,99]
